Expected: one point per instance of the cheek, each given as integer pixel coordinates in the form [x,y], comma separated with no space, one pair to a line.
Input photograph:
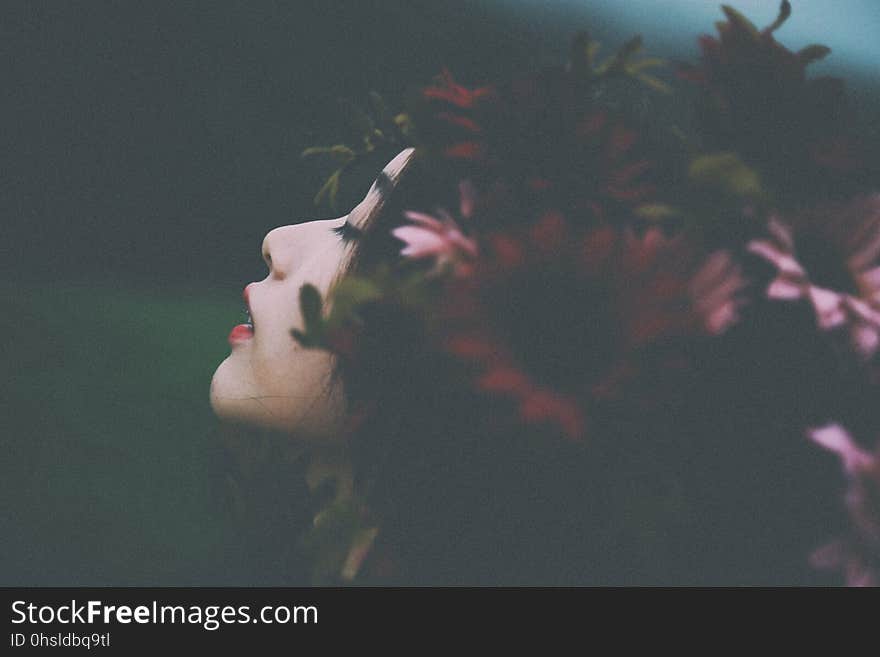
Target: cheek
[296,394]
[274,351]
[273,362]
[293,384]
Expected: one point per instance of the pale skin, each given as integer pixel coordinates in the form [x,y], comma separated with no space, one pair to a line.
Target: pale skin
[268,379]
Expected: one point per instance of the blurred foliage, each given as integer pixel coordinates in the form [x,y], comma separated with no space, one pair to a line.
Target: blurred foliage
[624,62]
[113,473]
[370,129]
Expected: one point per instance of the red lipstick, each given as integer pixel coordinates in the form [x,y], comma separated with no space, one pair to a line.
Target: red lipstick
[241,333]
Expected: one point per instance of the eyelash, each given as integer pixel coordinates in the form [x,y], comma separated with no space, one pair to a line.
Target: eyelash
[348,233]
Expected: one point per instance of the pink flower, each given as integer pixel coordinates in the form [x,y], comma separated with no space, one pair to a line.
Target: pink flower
[439,237]
[842,555]
[830,257]
[857,555]
[716,292]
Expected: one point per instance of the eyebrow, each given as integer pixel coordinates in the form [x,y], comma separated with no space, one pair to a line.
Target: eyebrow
[383,183]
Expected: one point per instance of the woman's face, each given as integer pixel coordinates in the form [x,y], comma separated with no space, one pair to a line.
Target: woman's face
[269,379]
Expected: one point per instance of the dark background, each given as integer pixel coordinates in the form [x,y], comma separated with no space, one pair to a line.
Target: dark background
[158,142]
[146,149]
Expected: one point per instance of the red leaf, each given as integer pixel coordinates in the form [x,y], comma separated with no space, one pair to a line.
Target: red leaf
[454,93]
[460,121]
[504,379]
[466,150]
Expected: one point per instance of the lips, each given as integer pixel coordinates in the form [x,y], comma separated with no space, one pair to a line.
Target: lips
[241,333]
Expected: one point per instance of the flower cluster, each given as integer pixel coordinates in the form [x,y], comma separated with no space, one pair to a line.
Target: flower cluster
[830,256]
[760,102]
[538,143]
[858,555]
[546,306]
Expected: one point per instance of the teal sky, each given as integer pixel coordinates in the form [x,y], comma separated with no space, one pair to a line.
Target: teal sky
[849,27]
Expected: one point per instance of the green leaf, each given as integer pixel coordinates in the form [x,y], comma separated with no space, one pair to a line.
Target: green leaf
[302,338]
[813,53]
[656,212]
[338,152]
[725,172]
[360,545]
[330,189]
[347,295]
[405,124]
[655,83]
[740,21]
[620,60]
[328,542]
[310,304]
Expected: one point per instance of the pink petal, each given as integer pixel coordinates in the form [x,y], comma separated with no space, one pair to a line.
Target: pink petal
[827,304]
[867,253]
[859,575]
[835,438]
[830,556]
[862,310]
[420,242]
[778,229]
[865,339]
[870,280]
[714,290]
[783,260]
[466,194]
[504,379]
[714,269]
[783,288]
[424,220]
[465,244]
[720,319]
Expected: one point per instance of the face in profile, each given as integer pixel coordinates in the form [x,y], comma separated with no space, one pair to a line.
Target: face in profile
[268,379]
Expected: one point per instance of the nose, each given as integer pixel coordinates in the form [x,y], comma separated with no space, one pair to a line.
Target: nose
[285,249]
[277,251]
[271,250]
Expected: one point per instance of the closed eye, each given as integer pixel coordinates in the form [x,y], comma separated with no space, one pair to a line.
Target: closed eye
[347,232]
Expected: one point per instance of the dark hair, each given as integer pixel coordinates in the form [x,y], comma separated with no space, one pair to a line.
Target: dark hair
[669,495]
[448,511]
[458,503]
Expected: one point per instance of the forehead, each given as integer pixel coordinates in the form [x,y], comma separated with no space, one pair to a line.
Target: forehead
[362,214]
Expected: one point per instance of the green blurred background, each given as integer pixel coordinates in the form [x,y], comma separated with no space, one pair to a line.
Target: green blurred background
[147,148]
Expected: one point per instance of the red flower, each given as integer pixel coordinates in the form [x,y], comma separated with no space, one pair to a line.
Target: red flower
[448,90]
[539,142]
[554,319]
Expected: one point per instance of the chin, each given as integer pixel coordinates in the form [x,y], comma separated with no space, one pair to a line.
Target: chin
[231,400]
[236,398]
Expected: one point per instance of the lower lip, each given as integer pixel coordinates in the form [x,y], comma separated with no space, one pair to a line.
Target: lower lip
[241,333]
